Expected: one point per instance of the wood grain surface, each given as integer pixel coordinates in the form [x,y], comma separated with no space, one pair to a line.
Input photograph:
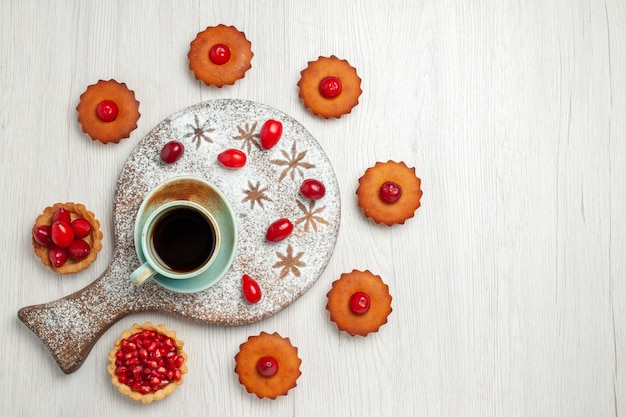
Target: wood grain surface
[509,284]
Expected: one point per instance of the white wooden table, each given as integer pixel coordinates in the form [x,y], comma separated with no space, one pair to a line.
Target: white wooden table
[509,285]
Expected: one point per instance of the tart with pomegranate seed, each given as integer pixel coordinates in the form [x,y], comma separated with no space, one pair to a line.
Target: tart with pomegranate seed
[220,55]
[147,363]
[108,111]
[268,365]
[359,302]
[67,237]
[329,87]
[389,192]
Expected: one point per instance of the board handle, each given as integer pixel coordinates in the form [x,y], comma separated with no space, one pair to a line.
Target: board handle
[70,326]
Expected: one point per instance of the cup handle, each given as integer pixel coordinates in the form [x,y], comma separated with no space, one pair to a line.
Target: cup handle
[142,274]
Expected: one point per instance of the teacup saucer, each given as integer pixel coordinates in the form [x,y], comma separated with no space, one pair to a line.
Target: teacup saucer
[201,192]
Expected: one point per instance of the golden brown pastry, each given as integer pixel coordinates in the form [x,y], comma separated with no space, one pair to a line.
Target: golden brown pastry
[268,365]
[220,55]
[147,347]
[329,87]
[108,111]
[389,192]
[359,302]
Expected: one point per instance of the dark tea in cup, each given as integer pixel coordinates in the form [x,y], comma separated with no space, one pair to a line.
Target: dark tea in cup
[183,239]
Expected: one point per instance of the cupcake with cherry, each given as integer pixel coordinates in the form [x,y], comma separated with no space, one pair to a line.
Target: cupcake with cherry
[389,192]
[329,87]
[359,302]
[67,237]
[108,111]
[220,55]
[268,365]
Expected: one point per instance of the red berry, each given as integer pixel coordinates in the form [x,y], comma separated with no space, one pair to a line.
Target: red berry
[279,230]
[172,151]
[267,366]
[359,302]
[330,87]
[62,215]
[219,54]
[250,289]
[41,234]
[270,133]
[61,234]
[81,228]
[232,158]
[312,189]
[57,256]
[390,192]
[107,111]
[78,249]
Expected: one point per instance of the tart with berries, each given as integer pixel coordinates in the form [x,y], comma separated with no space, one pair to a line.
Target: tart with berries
[108,111]
[359,302]
[220,55]
[329,87]
[389,192]
[268,365]
[147,363]
[67,237]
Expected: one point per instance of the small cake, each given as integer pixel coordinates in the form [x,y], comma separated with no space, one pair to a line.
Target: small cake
[389,192]
[67,237]
[359,302]
[108,111]
[268,365]
[220,55]
[147,363]
[329,87]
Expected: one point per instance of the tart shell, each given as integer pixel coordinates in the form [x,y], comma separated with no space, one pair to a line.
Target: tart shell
[94,239]
[389,213]
[226,74]
[152,396]
[122,126]
[339,302]
[315,72]
[285,354]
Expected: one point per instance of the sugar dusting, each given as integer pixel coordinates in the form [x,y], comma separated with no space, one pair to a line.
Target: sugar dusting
[265,189]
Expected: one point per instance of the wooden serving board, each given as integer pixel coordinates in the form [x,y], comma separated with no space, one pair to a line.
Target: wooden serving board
[265,189]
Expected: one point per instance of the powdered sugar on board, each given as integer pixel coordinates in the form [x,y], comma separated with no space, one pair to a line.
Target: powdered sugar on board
[264,190]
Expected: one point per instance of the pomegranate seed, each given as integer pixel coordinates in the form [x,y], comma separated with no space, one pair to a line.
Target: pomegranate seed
[81,228]
[330,87]
[62,215]
[78,249]
[61,234]
[390,192]
[250,289]
[232,158]
[179,361]
[172,151]
[57,256]
[41,234]
[169,342]
[219,54]
[267,366]
[270,133]
[359,302]
[279,230]
[107,111]
[312,189]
